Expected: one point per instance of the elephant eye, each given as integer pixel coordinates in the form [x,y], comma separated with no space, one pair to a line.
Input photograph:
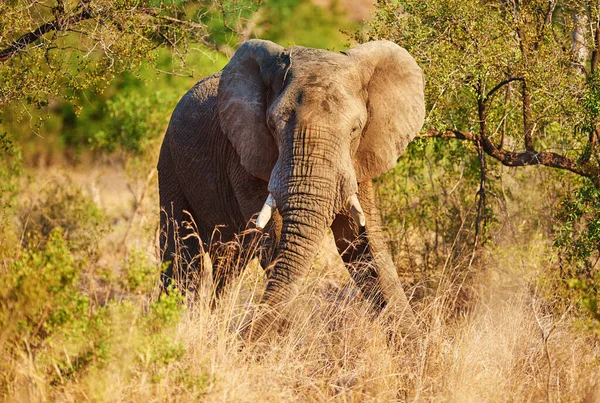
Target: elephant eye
[357,126]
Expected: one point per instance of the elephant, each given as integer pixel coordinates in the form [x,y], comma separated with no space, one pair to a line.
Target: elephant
[296,136]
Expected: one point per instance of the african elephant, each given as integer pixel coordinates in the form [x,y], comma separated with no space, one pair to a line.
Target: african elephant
[298,134]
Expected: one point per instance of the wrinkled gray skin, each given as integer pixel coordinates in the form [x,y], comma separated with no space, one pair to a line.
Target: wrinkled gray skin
[312,128]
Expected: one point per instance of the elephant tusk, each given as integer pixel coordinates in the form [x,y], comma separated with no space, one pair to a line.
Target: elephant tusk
[356,210]
[265,213]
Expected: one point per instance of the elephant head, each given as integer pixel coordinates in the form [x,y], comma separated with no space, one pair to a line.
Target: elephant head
[314,124]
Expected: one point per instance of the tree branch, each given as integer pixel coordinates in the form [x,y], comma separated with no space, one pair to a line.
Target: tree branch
[156,14]
[33,36]
[500,85]
[516,159]
[449,134]
[60,23]
[547,21]
[596,51]
[527,117]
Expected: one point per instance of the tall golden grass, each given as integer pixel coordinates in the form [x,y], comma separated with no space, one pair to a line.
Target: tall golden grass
[483,336]
[504,349]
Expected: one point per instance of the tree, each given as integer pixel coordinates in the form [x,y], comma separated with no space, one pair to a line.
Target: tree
[520,83]
[56,48]
[514,78]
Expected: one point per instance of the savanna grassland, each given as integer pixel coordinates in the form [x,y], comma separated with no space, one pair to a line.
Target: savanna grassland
[500,263]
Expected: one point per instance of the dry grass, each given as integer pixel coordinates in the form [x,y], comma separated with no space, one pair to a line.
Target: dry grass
[332,351]
[500,344]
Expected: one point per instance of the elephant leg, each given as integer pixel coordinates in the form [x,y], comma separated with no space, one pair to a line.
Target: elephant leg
[233,257]
[367,258]
[227,266]
[178,252]
[179,241]
[250,194]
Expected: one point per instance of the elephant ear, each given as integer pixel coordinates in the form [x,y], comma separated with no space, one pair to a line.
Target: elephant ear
[242,104]
[396,106]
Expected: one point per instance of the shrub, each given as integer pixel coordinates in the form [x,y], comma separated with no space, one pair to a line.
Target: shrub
[135,120]
[63,204]
[43,312]
[10,171]
[578,240]
[48,319]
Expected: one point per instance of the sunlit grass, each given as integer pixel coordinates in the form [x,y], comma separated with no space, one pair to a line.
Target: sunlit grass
[486,335]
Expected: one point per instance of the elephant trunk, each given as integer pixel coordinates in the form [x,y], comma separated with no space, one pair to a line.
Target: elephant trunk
[302,233]
[308,188]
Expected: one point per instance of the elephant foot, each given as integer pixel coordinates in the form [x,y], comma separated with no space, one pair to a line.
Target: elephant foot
[401,324]
[256,325]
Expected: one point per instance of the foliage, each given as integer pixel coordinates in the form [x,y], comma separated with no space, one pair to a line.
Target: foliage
[418,197]
[66,322]
[10,171]
[501,75]
[578,239]
[68,71]
[591,103]
[518,81]
[127,109]
[41,306]
[134,120]
[229,22]
[127,119]
[139,276]
[301,22]
[46,315]
[62,204]
[56,48]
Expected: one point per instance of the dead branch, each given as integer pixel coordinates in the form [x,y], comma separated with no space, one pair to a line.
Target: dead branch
[502,84]
[516,159]
[156,14]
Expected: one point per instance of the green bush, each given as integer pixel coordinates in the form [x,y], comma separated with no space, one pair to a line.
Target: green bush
[73,325]
[429,206]
[42,308]
[134,120]
[10,171]
[301,22]
[63,204]
[578,240]
[139,276]
[47,315]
